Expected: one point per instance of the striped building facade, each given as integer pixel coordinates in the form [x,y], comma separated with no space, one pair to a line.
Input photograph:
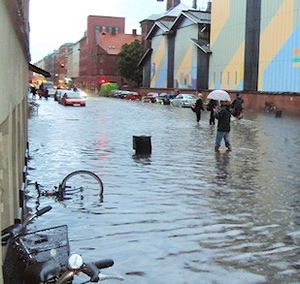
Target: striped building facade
[255,45]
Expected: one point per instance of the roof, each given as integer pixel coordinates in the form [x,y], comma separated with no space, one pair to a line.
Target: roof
[112,44]
[196,16]
[163,25]
[145,56]
[173,12]
[204,46]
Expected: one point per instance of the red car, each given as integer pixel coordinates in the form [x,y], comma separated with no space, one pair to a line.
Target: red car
[133,96]
[71,98]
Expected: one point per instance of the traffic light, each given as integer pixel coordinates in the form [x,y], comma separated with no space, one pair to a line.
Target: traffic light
[62,65]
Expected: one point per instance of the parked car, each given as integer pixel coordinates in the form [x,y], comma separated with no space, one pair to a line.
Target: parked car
[71,98]
[133,96]
[59,93]
[82,93]
[150,98]
[167,99]
[51,92]
[184,100]
[114,93]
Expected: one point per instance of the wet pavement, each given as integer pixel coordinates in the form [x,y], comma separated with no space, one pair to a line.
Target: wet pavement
[185,214]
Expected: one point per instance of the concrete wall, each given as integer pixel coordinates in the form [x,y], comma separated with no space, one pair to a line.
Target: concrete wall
[289,103]
[13,113]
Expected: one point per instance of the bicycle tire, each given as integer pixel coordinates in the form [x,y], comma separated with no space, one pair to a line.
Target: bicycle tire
[80,172]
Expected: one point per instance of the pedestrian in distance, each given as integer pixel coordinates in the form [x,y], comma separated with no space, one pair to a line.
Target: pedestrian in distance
[212,104]
[33,92]
[199,107]
[223,115]
[237,107]
[46,94]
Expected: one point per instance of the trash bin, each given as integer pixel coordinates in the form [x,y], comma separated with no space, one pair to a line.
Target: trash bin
[278,113]
[142,145]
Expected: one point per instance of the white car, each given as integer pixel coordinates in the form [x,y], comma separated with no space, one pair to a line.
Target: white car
[184,100]
[83,94]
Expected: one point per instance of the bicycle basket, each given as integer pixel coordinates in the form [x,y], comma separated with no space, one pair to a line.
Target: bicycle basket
[49,243]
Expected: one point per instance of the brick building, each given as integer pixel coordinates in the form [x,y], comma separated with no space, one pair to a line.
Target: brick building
[89,69]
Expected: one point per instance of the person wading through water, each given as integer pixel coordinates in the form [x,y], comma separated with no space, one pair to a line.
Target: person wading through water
[199,107]
[223,116]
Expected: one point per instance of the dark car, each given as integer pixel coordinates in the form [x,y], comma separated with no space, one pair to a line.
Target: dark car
[167,99]
[133,96]
[150,98]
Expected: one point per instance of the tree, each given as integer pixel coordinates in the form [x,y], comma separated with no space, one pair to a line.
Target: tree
[129,58]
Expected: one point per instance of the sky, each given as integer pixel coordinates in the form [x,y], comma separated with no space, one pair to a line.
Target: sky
[55,22]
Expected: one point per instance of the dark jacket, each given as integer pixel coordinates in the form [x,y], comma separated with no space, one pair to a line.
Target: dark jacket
[199,105]
[211,105]
[223,117]
[237,104]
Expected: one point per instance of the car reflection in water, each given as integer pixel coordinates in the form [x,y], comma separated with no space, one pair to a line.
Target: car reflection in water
[71,98]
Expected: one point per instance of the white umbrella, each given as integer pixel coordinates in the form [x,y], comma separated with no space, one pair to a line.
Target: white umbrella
[219,95]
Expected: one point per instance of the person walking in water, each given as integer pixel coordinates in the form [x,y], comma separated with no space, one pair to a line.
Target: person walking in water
[199,107]
[212,104]
[223,116]
[237,106]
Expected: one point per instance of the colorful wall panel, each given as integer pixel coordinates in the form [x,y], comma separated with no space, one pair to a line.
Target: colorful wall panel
[226,68]
[159,62]
[279,59]
[185,65]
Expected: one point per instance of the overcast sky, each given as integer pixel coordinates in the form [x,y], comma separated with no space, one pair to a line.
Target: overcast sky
[55,22]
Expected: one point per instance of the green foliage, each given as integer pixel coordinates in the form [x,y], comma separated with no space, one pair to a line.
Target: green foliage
[106,88]
[129,58]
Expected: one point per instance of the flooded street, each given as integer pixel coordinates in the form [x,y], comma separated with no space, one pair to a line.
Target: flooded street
[185,214]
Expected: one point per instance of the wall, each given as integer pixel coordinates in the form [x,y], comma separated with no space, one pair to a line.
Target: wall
[226,68]
[159,62]
[75,60]
[289,103]
[13,111]
[279,68]
[185,66]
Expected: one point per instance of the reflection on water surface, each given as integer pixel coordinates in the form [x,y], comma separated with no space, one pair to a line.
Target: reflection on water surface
[185,214]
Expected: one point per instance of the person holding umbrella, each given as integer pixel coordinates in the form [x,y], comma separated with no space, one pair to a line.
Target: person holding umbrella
[223,115]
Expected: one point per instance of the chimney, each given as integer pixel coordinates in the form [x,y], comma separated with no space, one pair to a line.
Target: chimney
[134,32]
[172,3]
[194,4]
[208,8]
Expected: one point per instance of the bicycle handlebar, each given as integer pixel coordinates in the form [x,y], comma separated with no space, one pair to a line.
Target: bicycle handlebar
[91,269]
[43,211]
[16,230]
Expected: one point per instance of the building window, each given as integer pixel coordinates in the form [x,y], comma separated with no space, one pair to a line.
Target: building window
[101,71]
[117,29]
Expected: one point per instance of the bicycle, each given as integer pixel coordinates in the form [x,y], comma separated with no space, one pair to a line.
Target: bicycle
[63,191]
[44,256]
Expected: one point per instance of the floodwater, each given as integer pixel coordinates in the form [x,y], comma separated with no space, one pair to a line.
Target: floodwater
[184,214]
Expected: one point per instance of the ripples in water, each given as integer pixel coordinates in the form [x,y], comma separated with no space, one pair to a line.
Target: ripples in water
[184,214]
